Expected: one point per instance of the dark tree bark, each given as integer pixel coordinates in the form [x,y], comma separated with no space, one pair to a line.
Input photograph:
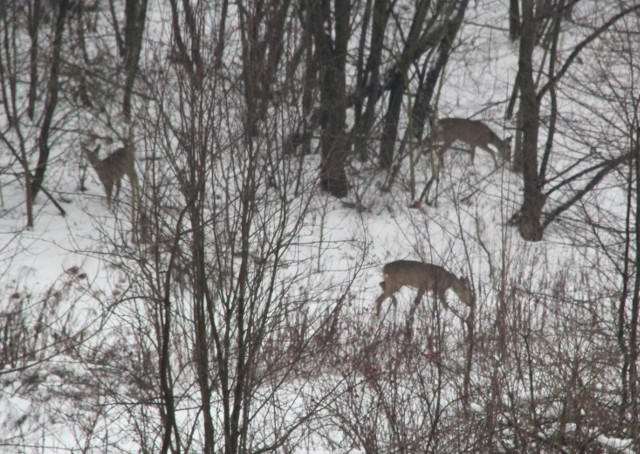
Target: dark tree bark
[627,332]
[530,223]
[53,88]
[34,27]
[369,80]
[135,12]
[116,29]
[398,82]
[262,31]
[531,210]
[164,368]
[190,58]
[514,20]
[200,299]
[222,27]
[310,82]
[635,302]
[332,55]
[361,79]
[251,17]
[422,106]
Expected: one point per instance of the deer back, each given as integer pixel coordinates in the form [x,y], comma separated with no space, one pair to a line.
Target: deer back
[111,169]
[414,274]
[426,277]
[472,132]
[119,163]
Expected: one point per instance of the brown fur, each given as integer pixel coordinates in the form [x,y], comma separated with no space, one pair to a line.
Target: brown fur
[472,132]
[426,278]
[111,169]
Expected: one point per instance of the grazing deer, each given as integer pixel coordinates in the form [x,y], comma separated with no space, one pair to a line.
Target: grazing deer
[472,132]
[111,169]
[445,132]
[424,277]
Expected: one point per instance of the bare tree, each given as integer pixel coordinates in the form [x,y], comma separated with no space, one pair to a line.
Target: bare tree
[628,324]
[135,16]
[12,62]
[530,217]
[368,86]
[533,201]
[332,55]
[617,54]
[51,101]
[378,71]
[423,110]
[229,326]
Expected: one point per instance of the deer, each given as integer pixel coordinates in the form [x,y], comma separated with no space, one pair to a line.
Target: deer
[425,277]
[446,131]
[111,169]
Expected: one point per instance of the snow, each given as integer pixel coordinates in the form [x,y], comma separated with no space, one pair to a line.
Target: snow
[337,256]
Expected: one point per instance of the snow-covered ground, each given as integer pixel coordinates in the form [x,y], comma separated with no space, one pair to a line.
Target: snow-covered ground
[544,321]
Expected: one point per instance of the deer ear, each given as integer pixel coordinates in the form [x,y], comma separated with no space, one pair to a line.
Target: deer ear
[85,148]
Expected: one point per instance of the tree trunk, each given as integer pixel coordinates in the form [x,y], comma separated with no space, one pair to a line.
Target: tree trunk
[635,306]
[34,27]
[362,77]
[415,45]
[53,88]
[531,211]
[514,20]
[422,106]
[332,58]
[135,11]
[516,161]
[389,133]
[187,52]
[371,79]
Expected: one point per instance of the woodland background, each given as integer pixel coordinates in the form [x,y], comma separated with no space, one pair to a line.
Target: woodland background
[279,148]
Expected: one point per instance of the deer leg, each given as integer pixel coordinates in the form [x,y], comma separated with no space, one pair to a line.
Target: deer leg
[117,197]
[135,193]
[434,201]
[379,301]
[441,151]
[443,299]
[381,298]
[108,188]
[416,302]
[436,173]
[385,294]
[449,308]
[133,179]
[425,191]
[472,152]
[491,153]
[436,153]
[135,189]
